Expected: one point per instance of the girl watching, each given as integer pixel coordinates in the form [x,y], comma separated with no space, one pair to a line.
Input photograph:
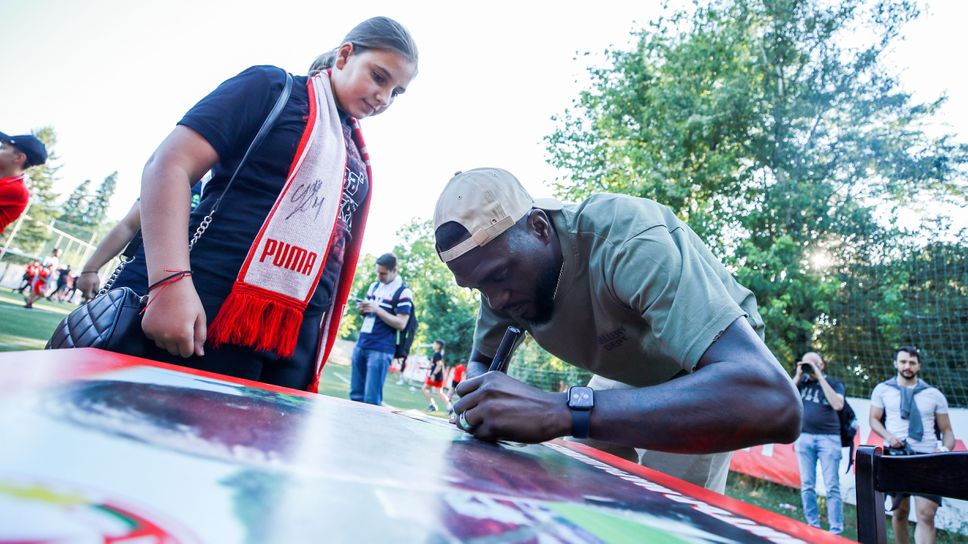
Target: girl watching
[261,294]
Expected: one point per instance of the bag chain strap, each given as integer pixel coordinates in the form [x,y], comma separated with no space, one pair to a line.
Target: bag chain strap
[114,276]
[202,227]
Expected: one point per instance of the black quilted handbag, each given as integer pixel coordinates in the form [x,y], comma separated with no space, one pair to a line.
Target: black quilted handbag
[112,319]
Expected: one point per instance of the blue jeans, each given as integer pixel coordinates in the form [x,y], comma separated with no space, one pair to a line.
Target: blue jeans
[369,372]
[825,448]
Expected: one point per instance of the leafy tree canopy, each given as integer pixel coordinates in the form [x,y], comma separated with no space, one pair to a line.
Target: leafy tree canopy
[766,128]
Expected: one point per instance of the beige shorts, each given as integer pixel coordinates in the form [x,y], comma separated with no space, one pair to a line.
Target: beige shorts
[706,470]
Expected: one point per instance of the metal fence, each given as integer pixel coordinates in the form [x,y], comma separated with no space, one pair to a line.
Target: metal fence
[74,250]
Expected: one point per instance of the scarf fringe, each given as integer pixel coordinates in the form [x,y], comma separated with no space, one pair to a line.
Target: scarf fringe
[258,319]
[314,386]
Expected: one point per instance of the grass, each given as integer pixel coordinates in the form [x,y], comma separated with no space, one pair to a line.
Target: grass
[29,329]
[335,382]
[786,501]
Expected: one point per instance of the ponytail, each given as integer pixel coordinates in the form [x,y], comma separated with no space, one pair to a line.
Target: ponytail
[380,33]
[322,62]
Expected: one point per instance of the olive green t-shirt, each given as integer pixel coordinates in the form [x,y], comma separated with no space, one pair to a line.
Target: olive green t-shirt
[639,299]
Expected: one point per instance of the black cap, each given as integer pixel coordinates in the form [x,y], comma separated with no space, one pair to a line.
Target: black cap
[34,149]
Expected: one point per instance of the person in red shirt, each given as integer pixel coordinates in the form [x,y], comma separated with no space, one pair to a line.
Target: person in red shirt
[456,376]
[38,287]
[17,154]
[28,278]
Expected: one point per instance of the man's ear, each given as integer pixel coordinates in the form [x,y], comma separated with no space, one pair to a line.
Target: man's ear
[540,225]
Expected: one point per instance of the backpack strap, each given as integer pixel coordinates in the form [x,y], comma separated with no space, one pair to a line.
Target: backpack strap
[396,297]
[850,457]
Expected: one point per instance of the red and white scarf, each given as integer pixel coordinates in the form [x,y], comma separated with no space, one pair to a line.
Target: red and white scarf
[265,309]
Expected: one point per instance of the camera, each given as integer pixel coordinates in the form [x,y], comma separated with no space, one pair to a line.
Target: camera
[905,449]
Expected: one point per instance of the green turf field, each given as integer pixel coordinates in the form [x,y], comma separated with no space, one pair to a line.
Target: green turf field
[336,383]
[21,329]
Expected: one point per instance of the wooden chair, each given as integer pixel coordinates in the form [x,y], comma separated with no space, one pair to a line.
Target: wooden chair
[944,474]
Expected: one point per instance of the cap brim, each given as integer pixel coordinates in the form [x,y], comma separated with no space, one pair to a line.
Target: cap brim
[548,204]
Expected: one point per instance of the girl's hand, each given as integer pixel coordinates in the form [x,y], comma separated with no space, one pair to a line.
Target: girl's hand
[175,319]
[88,284]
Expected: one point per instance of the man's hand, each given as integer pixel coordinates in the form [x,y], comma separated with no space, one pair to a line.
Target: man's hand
[809,368]
[175,319]
[894,442]
[367,306]
[397,321]
[497,406]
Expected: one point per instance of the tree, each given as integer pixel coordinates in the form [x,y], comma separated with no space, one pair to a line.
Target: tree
[774,141]
[75,209]
[42,209]
[84,214]
[901,290]
[97,210]
[443,309]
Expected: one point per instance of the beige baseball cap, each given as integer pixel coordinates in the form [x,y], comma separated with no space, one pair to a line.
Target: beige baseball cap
[486,202]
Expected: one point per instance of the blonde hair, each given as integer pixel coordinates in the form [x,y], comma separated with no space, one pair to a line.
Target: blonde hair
[376,33]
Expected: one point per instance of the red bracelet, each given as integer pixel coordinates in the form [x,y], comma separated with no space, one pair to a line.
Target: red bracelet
[170,279]
[165,282]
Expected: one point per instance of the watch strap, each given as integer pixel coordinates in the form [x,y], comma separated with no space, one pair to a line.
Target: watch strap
[581,399]
[581,421]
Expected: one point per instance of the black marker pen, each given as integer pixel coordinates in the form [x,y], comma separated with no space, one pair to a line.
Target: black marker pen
[504,350]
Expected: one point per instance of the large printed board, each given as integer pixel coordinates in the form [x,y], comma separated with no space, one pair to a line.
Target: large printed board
[99,447]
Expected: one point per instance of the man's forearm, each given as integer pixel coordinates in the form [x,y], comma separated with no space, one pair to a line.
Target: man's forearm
[398,322]
[948,440]
[711,410]
[879,428]
[833,398]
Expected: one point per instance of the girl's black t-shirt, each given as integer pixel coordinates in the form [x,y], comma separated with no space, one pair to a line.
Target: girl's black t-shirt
[228,119]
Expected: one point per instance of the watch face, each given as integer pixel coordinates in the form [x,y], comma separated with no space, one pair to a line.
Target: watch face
[580,397]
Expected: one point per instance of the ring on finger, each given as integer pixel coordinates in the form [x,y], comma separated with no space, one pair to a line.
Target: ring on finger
[463,424]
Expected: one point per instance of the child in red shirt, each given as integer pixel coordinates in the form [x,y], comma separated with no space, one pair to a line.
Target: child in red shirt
[17,153]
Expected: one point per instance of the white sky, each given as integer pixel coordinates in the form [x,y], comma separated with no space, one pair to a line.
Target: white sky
[113,77]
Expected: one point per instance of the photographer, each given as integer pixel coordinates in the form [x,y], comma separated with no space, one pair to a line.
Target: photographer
[822,398]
